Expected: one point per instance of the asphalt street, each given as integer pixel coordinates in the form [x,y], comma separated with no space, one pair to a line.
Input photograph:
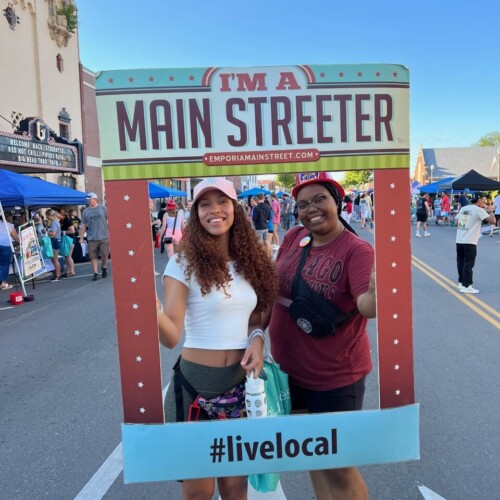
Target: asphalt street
[60,409]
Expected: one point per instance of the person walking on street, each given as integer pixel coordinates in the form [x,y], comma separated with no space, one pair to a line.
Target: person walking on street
[95,223]
[54,232]
[469,219]
[286,211]
[423,212]
[68,229]
[7,234]
[216,289]
[276,219]
[172,227]
[445,209]
[260,215]
[496,206]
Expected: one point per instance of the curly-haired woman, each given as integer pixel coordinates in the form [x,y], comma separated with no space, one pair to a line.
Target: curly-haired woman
[216,288]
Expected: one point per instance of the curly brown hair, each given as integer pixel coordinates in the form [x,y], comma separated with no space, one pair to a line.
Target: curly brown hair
[209,265]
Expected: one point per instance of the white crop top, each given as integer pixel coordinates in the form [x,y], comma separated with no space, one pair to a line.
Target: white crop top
[215,321]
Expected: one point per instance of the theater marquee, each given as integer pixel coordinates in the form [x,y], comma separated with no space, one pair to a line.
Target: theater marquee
[184,122]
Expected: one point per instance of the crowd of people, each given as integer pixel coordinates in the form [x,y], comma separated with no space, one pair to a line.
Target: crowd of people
[443,208]
[87,232]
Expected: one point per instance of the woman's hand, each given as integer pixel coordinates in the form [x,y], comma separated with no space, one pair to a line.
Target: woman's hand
[252,359]
[367,302]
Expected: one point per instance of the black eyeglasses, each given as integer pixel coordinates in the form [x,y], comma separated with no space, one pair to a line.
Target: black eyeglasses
[318,201]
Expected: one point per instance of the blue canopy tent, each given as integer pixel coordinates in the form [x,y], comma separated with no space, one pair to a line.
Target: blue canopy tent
[253,192]
[435,187]
[281,193]
[27,191]
[157,191]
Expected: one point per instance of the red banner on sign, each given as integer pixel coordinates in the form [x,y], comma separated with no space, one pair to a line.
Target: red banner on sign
[253,157]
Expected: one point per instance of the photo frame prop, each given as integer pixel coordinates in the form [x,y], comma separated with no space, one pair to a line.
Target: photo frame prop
[245,121]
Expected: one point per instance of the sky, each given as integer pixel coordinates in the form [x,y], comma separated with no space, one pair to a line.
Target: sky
[450,48]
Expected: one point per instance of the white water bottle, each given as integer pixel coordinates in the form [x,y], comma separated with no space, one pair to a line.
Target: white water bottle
[255,399]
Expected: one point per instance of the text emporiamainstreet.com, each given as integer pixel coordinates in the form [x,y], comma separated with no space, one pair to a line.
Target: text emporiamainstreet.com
[233,449]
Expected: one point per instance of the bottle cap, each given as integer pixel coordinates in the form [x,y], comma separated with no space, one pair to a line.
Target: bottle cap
[254,385]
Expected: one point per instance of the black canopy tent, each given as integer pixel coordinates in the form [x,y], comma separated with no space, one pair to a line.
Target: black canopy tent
[473,181]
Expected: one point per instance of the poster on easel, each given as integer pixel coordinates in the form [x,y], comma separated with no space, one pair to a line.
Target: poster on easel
[31,253]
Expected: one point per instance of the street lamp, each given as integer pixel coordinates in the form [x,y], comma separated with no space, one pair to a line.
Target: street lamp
[432,173]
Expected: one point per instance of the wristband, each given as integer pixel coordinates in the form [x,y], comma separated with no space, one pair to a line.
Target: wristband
[258,332]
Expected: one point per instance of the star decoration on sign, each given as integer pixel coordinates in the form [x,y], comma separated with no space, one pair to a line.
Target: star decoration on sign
[395,74]
[133,279]
[392,186]
[143,410]
[137,333]
[151,79]
[126,197]
[135,306]
[191,77]
[393,264]
[396,341]
[377,74]
[393,238]
[110,80]
[360,74]
[131,253]
[138,359]
[394,290]
[322,75]
[398,392]
[171,78]
[140,385]
[341,74]
[128,225]
[395,316]
[396,367]
[393,212]
[131,79]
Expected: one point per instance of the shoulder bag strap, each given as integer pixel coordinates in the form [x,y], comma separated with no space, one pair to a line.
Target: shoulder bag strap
[175,221]
[303,257]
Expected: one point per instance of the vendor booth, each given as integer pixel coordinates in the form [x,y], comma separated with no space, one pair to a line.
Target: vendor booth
[17,190]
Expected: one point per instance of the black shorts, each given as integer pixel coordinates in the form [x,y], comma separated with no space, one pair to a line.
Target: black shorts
[421,217]
[346,398]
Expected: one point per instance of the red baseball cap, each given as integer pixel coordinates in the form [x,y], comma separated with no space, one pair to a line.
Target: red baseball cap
[306,178]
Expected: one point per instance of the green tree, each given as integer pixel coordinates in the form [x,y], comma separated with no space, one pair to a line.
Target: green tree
[287,181]
[491,139]
[357,178]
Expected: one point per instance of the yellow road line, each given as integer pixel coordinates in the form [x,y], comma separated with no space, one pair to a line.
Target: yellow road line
[457,295]
[475,299]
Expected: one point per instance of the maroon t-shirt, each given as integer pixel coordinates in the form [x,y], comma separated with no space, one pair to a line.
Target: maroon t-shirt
[340,271]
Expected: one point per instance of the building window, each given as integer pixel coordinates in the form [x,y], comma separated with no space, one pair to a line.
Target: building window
[64,131]
[60,63]
[64,122]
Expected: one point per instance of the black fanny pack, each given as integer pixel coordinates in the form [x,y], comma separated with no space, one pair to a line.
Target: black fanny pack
[313,314]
